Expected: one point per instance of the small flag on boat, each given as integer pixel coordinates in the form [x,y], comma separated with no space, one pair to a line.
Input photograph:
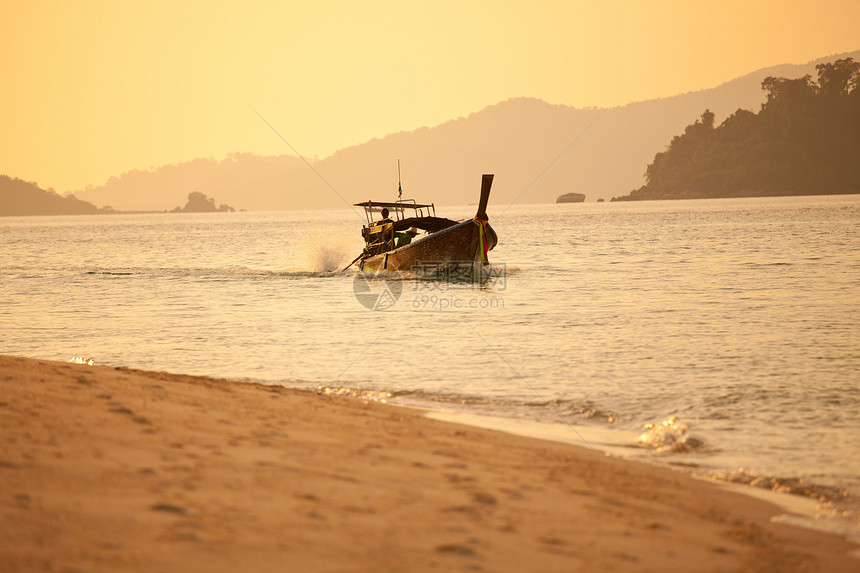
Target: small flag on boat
[399,191]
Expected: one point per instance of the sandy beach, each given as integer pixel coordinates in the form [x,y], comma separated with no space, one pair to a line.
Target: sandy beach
[112,469]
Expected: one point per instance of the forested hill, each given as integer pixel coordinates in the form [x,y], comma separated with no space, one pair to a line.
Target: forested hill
[804,141]
[19,197]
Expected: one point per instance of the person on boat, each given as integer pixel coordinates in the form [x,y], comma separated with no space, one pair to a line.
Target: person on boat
[385,218]
[383,237]
[404,239]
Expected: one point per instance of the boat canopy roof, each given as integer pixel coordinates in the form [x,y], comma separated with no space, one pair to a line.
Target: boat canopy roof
[395,205]
[397,209]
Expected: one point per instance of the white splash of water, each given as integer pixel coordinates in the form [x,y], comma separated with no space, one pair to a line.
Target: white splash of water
[366,395]
[328,258]
[324,252]
[670,436]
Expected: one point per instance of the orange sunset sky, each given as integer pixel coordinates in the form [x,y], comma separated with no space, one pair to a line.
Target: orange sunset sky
[93,89]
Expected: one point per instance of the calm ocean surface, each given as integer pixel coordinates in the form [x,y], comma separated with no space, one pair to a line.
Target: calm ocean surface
[739,318]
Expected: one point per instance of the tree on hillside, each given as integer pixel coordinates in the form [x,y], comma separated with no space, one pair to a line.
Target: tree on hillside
[788,97]
[684,150]
[839,78]
[804,140]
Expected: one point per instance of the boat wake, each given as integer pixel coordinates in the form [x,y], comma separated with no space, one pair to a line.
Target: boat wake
[323,262]
[216,273]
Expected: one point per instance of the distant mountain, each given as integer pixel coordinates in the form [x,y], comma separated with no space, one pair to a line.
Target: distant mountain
[538,151]
[19,197]
[254,182]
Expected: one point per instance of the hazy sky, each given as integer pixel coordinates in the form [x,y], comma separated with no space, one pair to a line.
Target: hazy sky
[93,89]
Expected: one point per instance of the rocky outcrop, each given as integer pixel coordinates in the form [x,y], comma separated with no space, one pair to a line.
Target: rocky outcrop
[571,198]
[200,203]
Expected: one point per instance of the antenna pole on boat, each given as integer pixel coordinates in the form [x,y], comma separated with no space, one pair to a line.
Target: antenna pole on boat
[399,188]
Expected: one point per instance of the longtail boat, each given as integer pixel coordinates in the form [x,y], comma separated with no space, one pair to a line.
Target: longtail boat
[444,242]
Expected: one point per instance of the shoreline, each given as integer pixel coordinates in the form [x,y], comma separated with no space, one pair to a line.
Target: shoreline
[805,501]
[107,468]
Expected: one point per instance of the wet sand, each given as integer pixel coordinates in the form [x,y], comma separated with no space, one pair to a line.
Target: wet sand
[111,469]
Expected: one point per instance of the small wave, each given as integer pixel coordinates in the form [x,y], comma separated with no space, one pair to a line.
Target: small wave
[405,396]
[837,506]
[367,395]
[548,411]
[794,486]
[670,436]
[113,273]
[572,408]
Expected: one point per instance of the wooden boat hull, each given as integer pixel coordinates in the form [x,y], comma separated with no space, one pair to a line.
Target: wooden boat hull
[460,243]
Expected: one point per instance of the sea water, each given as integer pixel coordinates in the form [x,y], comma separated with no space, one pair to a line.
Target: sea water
[718,336]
